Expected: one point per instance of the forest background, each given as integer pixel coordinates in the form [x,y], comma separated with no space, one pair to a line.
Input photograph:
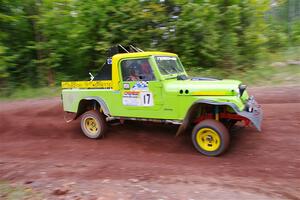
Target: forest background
[43,42]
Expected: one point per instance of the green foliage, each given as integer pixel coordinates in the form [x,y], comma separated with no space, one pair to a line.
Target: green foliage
[13,191]
[196,34]
[45,41]
[295,34]
[275,69]
[284,24]
[29,92]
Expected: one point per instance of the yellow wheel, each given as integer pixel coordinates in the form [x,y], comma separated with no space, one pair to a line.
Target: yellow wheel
[210,137]
[93,124]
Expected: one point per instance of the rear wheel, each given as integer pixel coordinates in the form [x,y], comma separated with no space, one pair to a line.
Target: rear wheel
[93,124]
[210,137]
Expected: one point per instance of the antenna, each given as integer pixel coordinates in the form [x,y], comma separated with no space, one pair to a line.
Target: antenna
[140,49]
[136,48]
[123,48]
[133,48]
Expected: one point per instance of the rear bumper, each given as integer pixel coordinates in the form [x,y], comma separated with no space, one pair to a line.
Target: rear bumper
[253,112]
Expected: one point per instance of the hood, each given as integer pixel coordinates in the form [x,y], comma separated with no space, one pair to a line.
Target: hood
[203,87]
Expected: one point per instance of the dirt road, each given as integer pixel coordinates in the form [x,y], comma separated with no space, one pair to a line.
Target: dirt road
[146,161]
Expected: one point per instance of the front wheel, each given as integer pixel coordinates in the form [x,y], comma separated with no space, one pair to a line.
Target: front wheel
[93,124]
[210,137]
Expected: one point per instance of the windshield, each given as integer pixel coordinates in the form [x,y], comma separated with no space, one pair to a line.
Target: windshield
[168,65]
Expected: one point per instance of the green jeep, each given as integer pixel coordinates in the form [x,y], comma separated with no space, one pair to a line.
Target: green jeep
[153,86]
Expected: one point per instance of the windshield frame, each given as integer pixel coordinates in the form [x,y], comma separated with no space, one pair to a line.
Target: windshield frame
[170,75]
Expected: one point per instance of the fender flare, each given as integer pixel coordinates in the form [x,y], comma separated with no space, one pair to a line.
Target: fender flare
[99,100]
[255,118]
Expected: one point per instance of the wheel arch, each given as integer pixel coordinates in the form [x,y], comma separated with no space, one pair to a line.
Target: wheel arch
[194,109]
[91,102]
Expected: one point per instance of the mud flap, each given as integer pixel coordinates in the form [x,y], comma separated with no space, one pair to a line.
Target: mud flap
[181,128]
[256,114]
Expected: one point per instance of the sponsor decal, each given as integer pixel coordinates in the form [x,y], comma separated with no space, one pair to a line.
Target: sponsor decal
[137,98]
[165,58]
[126,86]
[140,85]
[138,95]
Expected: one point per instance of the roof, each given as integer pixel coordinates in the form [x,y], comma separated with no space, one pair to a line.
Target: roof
[142,54]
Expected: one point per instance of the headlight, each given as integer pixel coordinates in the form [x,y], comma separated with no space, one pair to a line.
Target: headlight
[250,104]
[249,107]
[237,91]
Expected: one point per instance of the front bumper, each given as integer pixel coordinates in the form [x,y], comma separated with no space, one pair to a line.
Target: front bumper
[253,112]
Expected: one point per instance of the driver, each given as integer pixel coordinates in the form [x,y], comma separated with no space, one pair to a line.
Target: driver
[133,76]
[147,71]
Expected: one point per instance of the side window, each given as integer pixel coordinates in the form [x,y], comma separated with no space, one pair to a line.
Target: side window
[137,70]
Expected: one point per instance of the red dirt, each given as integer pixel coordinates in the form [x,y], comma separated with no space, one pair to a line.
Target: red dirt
[146,161]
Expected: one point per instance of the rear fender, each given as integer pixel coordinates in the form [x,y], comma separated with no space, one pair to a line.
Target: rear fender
[100,101]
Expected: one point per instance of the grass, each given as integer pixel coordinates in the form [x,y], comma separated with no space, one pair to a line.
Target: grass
[259,75]
[15,191]
[27,93]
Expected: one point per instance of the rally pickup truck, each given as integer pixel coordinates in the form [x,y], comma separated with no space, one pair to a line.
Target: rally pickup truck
[153,86]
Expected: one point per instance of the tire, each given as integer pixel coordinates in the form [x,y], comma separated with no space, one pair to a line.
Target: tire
[229,123]
[210,137]
[93,124]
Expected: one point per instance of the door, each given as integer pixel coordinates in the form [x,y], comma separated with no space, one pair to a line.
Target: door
[141,91]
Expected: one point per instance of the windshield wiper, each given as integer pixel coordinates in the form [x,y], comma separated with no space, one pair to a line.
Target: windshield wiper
[166,71]
[175,69]
[171,76]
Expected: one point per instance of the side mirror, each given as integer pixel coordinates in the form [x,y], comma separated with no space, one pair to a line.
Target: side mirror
[182,77]
[91,76]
